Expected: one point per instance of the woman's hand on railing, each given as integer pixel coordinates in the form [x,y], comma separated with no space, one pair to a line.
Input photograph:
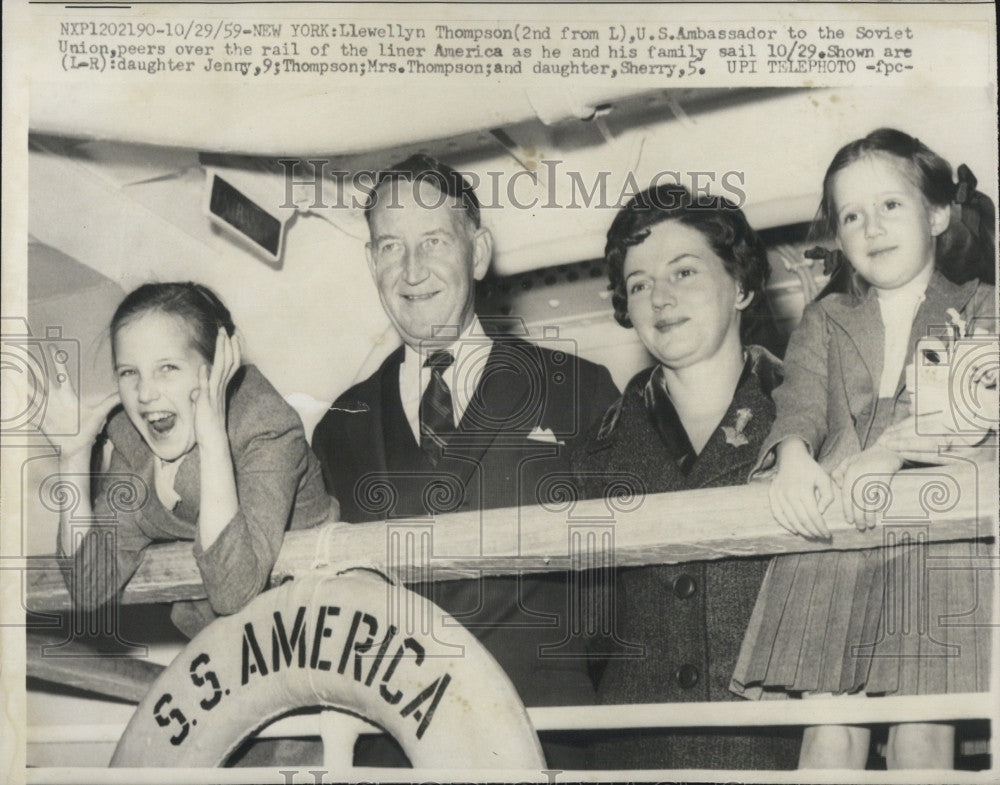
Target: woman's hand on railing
[876,461]
[800,492]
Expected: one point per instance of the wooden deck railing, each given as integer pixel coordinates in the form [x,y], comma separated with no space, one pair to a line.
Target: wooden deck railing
[955,502]
[941,503]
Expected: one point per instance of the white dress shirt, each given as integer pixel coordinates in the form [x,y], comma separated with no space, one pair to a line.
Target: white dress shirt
[471,351]
[899,308]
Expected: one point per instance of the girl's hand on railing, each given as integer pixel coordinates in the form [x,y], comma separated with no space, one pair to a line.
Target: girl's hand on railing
[800,492]
[851,477]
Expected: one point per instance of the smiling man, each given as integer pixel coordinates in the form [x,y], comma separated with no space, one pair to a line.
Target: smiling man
[425,253]
[461,419]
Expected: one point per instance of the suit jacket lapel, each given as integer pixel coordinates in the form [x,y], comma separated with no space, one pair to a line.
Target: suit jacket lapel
[931,317]
[364,429]
[498,408]
[731,450]
[861,321]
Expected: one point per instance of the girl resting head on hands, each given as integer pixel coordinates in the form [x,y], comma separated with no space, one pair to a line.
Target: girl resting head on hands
[204,449]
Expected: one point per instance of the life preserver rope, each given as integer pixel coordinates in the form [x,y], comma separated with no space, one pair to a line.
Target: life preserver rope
[339,641]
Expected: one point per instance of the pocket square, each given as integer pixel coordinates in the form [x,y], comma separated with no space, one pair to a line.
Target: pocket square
[544,435]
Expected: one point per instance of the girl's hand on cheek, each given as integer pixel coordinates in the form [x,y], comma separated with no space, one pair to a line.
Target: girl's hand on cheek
[862,505]
[68,423]
[209,397]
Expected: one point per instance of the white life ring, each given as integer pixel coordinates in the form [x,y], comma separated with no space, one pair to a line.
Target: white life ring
[331,641]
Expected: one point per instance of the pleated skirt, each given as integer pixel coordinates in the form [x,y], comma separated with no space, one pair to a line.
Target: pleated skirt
[905,620]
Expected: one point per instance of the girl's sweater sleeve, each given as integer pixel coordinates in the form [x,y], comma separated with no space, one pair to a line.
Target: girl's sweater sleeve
[801,399]
[268,467]
[110,551]
[982,310]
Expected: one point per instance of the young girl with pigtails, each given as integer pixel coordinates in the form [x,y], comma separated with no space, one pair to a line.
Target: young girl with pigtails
[203,449]
[831,622]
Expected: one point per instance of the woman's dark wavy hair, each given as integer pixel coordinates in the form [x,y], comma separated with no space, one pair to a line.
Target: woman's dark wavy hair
[723,226]
[196,305]
[965,250]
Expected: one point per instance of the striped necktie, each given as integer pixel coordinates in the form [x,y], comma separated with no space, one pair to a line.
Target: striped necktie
[437,417]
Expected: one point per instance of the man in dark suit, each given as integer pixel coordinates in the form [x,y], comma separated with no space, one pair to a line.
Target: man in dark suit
[461,419]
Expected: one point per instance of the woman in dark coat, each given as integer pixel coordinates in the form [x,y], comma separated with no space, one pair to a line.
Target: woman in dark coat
[688,274]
